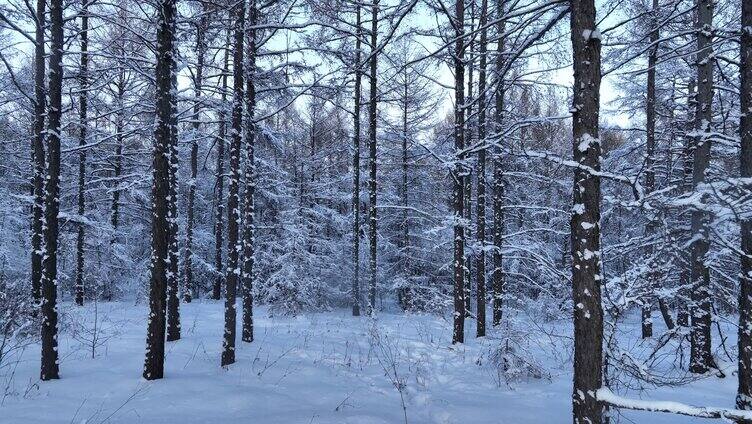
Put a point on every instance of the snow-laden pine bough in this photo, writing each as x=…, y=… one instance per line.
x=608, y=398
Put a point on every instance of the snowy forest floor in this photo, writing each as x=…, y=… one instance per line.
x=315, y=368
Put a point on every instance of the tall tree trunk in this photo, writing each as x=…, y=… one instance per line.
x=250, y=177
x=480, y=282
x=458, y=174
x=586, y=215
x=372, y=161
x=233, y=202
x=173, y=274
x=356, y=166
x=498, y=184
x=468, y=177
x=160, y=227
x=188, y=284
x=118, y=171
x=682, y=315
x=701, y=358
x=404, y=243
x=38, y=158
x=744, y=393
x=647, y=323
x=82, y=117
x=50, y=369
x=220, y=211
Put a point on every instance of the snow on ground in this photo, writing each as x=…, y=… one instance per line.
x=317, y=368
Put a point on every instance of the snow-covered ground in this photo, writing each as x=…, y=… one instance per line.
x=317, y=368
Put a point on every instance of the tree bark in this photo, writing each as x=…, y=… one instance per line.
x=233, y=202
x=250, y=178
x=701, y=359
x=480, y=282
x=372, y=105
x=82, y=118
x=220, y=211
x=498, y=184
x=458, y=174
x=647, y=323
x=50, y=369
x=38, y=153
x=682, y=315
x=356, y=166
x=173, y=273
x=585, y=222
x=744, y=393
x=155, y=341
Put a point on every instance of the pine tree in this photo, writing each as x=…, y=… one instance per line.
x=38, y=153
x=219, y=198
x=233, y=202
x=372, y=108
x=250, y=176
x=155, y=339
x=50, y=368
x=83, y=124
x=458, y=175
x=744, y=393
x=356, y=166
x=701, y=358
x=480, y=267
x=586, y=214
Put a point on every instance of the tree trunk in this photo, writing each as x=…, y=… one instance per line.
x=154, y=363
x=233, y=201
x=82, y=98
x=586, y=216
x=220, y=211
x=480, y=282
x=744, y=393
x=647, y=323
x=458, y=173
x=498, y=185
x=188, y=284
x=682, y=315
x=38, y=154
x=173, y=301
x=250, y=178
x=356, y=168
x=372, y=161
x=50, y=368
x=701, y=359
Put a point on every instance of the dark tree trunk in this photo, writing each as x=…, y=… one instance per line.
x=586, y=215
x=468, y=177
x=155, y=339
x=233, y=202
x=50, y=369
x=173, y=274
x=498, y=184
x=372, y=162
x=356, y=167
x=188, y=284
x=701, y=358
x=458, y=175
x=82, y=117
x=647, y=323
x=480, y=282
x=250, y=178
x=38, y=158
x=220, y=211
x=744, y=394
